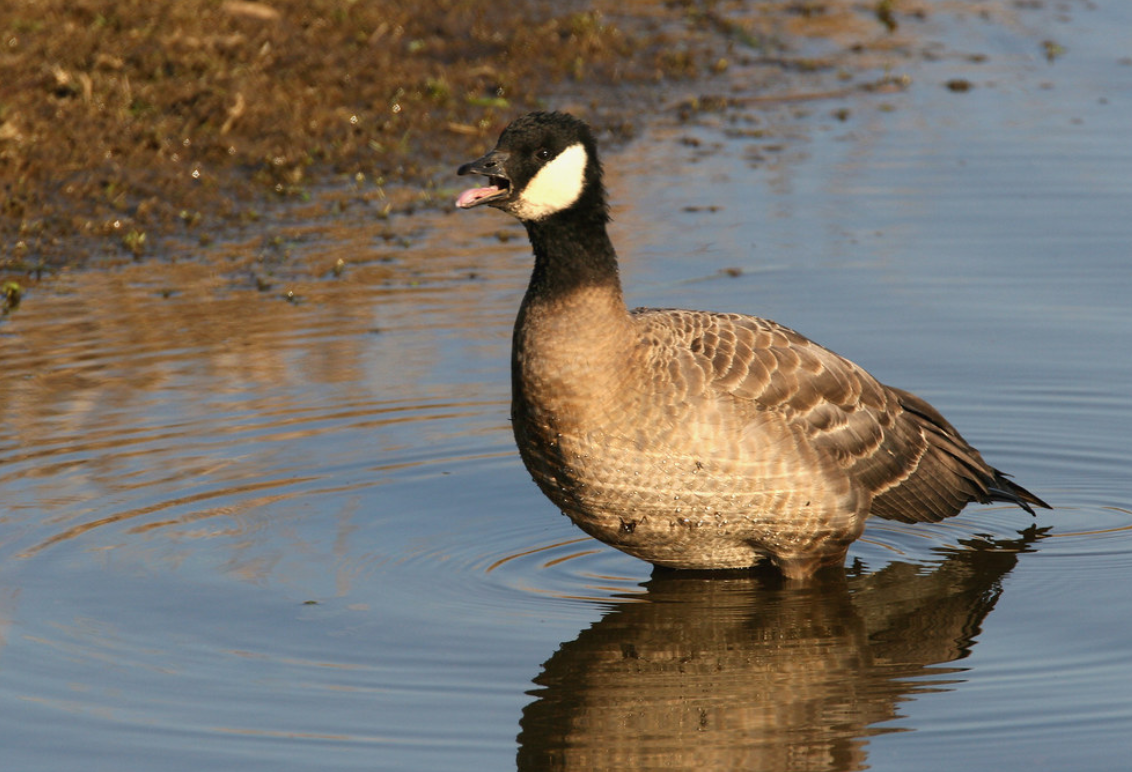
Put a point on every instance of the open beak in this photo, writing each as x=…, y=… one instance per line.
x=492, y=166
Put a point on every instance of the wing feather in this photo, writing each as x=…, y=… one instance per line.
x=892, y=445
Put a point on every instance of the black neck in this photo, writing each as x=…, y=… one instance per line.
x=572, y=252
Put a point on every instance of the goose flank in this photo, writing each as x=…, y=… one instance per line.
x=694, y=439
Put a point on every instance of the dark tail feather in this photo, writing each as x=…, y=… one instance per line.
x=1003, y=489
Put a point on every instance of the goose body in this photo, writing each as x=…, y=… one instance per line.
x=694, y=439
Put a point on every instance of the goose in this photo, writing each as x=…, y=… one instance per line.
x=693, y=439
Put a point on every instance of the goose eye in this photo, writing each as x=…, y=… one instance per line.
x=542, y=154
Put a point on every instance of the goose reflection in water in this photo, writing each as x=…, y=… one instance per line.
x=742, y=671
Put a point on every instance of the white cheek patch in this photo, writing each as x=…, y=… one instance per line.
x=556, y=186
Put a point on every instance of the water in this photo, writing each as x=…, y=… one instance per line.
x=243, y=532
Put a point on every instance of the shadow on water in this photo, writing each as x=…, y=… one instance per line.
x=748, y=673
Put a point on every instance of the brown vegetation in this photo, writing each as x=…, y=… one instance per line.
x=119, y=118
x=123, y=122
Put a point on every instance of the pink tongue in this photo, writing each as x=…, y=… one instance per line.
x=469, y=197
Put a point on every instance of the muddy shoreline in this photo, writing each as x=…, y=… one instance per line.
x=128, y=129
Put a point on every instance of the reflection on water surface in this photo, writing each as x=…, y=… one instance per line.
x=737, y=671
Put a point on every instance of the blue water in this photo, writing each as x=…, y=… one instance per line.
x=243, y=532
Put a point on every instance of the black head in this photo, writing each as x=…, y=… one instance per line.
x=543, y=164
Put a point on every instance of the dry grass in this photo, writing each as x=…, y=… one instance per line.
x=122, y=121
x=122, y=116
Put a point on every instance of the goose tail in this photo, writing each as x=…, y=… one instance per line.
x=1003, y=489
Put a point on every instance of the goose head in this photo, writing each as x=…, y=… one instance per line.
x=544, y=164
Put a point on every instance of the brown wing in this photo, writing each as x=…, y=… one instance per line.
x=949, y=470
x=894, y=445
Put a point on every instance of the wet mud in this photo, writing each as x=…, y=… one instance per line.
x=128, y=129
